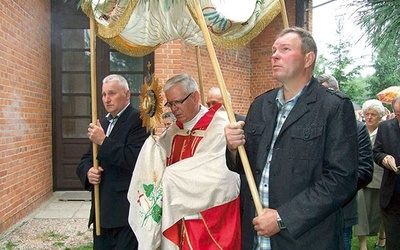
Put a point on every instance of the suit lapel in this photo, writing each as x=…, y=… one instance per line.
x=269, y=112
x=394, y=127
x=302, y=106
x=121, y=120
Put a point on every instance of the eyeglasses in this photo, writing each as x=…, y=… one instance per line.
x=177, y=103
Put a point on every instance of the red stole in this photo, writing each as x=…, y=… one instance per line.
x=184, y=146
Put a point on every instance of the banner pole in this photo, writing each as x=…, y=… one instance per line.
x=94, y=118
x=200, y=75
x=227, y=104
x=284, y=14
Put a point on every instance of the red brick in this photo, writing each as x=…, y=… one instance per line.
x=25, y=99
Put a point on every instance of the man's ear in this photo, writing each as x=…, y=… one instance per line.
x=310, y=59
x=196, y=95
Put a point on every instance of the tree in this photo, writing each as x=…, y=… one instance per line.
x=380, y=19
x=387, y=70
x=321, y=65
x=342, y=66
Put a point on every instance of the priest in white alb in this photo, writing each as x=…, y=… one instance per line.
x=182, y=194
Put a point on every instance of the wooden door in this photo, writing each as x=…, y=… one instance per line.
x=71, y=87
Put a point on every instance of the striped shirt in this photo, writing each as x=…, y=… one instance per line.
x=284, y=108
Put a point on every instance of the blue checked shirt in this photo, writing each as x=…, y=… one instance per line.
x=263, y=243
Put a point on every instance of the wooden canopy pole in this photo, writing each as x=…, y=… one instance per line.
x=227, y=104
x=284, y=14
x=200, y=75
x=94, y=117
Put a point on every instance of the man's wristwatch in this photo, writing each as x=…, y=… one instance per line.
x=281, y=224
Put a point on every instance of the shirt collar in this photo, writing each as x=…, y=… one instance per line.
x=280, y=100
x=110, y=118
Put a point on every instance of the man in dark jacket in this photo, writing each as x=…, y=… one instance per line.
x=387, y=155
x=365, y=172
x=120, y=137
x=301, y=141
x=365, y=167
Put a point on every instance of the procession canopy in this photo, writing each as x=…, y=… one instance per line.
x=138, y=27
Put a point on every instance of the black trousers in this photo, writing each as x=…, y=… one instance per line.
x=391, y=221
x=119, y=238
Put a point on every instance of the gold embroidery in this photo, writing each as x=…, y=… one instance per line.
x=185, y=235
x=209, y=233
x=239, y=42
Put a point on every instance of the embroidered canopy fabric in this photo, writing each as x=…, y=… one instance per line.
x=138, y=27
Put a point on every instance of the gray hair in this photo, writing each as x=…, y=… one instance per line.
x=375, y=105
x=212, y=89
x=168, y=114
x=330, y=81
x=117, y=78
x=188, y=83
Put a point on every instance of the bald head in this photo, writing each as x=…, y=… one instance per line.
x=214, y=97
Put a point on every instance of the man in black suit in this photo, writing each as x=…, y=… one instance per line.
x=387, y=155
x=120, y=137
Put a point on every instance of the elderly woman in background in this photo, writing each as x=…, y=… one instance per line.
x=369, y=214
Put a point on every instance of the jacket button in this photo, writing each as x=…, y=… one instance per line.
x=257, y=172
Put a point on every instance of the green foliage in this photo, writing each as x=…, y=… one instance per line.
x=55, y=235
x=88, y=246
x=387, y=70
x=58, y=244
x=380, y=19
x=10, y=245
x=321, y=65
x=371, y=240
x=356, y=89
x=342, y=67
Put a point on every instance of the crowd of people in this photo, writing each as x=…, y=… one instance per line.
x=321, y=175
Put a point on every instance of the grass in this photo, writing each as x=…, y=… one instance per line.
x=58, y=245
x=57, y=239
x=88, y=246
x=55, y=235
x=10, y=245
x=370, y=242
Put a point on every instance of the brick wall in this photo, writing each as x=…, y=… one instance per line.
x=247, y=72
x=234, y=64
x=25, y=108
x=261, y=73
